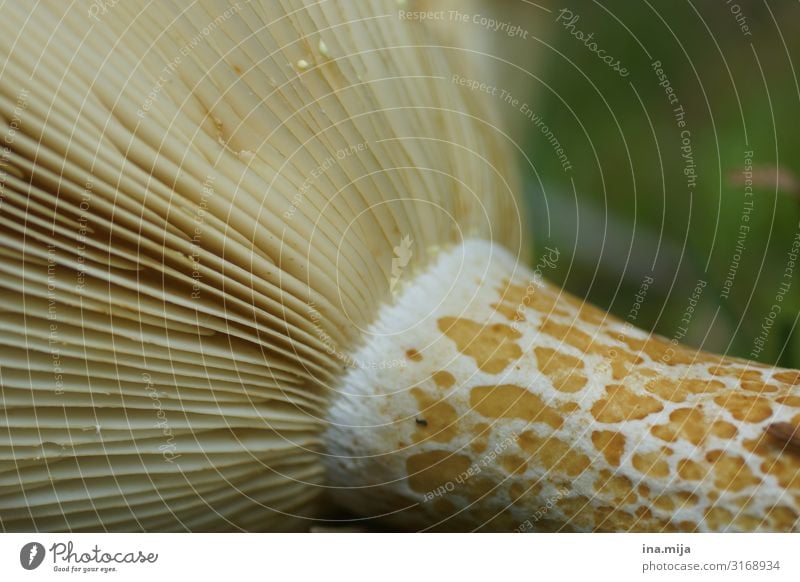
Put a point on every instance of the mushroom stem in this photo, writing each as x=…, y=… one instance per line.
x=520, y=407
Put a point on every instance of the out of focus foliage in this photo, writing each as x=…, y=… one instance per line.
x=625, y=212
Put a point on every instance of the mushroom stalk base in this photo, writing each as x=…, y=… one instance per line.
x=485, y=398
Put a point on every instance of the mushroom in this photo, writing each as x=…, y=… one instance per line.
x=261, y=258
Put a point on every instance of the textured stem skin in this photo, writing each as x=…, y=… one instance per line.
x=521, y=408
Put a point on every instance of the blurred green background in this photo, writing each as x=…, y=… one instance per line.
x=623, y=213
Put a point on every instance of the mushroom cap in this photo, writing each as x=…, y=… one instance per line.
x=203, y=207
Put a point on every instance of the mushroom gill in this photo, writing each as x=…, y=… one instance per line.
x=254, y=252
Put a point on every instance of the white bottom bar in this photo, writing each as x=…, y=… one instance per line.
x=401, y=557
